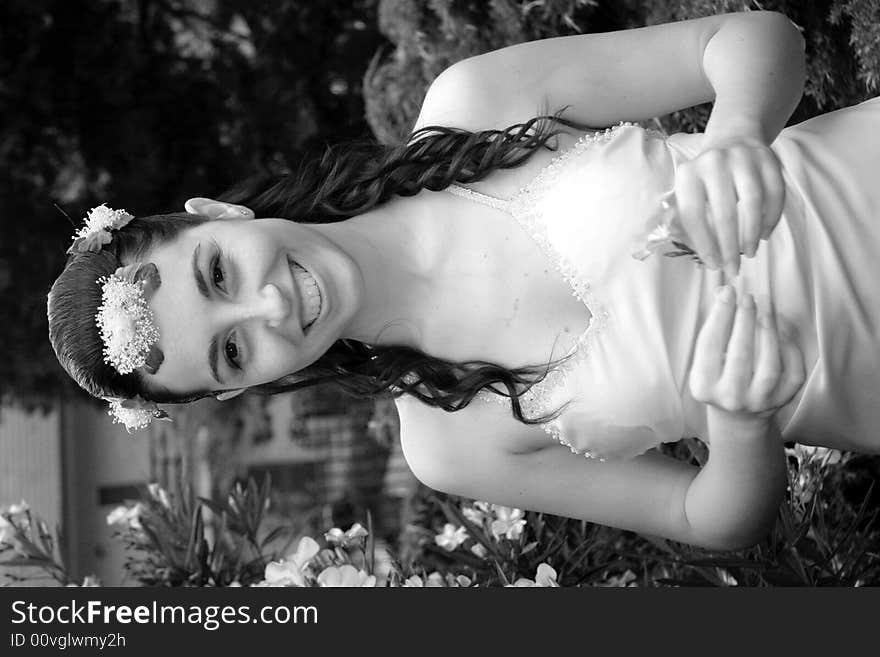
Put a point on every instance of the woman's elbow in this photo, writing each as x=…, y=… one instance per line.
x=735, y=533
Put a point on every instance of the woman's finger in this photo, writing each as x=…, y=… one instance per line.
x=740, y=358
x=721, y=197
x=690, y=196
x=768, y=364
x=711, y=343
x=794, y=371
x=748, y=182
x=774, y=193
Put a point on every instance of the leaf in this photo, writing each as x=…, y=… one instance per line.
x=273, y=534
x=216, y=507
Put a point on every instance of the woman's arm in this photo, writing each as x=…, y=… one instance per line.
x=481, y=453
x=732, y=502
x=757, y=71
x=751, y=63
x=727, y=504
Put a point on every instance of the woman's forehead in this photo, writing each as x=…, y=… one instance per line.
x=179, y=315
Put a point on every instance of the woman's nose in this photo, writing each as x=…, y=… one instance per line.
x=269, y=305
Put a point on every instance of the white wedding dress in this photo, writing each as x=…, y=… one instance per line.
x=591, y=208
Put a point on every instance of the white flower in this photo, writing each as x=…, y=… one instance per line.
x=159, y=494
x=545, y=577
x=479, y=550
x=292, y=570
x=17, y=509
x=451, y=537
x=130, y=418
x=435, y=580
x=283, y=573
x=509, y=522
x=414, y=582
x=125, y=323
x=344, y=539
x=345, y=576
x=103, y=218
x=476, y=512
x=130, y=517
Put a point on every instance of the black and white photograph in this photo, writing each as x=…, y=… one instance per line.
x=438, y=294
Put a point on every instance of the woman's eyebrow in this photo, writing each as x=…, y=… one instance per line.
x=197, y=273
x=203, y=290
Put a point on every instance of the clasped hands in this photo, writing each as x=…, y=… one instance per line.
x=746, y=363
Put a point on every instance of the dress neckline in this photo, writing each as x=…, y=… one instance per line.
x=524, y=207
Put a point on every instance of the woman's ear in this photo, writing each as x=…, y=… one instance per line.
x=208, y=207
x=229, y=394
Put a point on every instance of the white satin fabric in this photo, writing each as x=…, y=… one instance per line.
x=591, y=208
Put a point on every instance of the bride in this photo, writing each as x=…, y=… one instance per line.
x=503, y=274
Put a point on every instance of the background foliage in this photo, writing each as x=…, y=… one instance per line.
x=143, y=103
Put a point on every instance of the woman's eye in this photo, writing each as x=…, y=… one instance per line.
x=232, y=355
x=217, y=273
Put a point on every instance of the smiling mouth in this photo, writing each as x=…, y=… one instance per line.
x=311, y=301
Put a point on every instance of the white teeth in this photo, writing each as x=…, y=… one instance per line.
x=309, y=293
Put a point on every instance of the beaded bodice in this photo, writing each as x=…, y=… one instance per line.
x=586, y=210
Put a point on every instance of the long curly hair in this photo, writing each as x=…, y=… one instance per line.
x=347, y=180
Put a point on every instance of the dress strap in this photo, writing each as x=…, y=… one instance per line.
x=485, y=199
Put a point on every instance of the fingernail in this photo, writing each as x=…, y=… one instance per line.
x=724, y=293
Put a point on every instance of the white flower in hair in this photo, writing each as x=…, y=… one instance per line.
x=135, y=413
x=124, y=319
x=96, y=233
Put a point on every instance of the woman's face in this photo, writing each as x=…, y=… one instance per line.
x=232, y=305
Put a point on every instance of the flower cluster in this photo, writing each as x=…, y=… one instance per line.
x=126, y=517
x=125, y=322
x=301, y=568
x=96, y=233
x=502, y=522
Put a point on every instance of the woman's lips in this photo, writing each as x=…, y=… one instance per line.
x=311, y=301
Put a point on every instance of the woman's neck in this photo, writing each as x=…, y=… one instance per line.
x=398, y=249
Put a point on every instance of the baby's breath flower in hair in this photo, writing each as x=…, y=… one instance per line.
x=126, y=324
x=96, y=233
x=135, y=413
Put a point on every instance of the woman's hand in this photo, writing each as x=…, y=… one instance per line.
x=743, y=365
x=729, y=197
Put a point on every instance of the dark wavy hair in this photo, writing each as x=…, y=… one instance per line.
x=347, y=180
